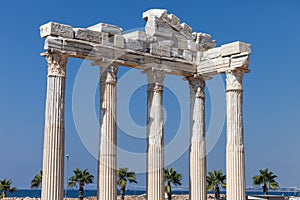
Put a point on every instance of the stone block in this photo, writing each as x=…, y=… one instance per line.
x=240, y=60
x=187, y=55
x=186, y=27
x=174, y=22
x=199, y=56
x=159, y=50
x=235, y=48
x=52, y=43
x=186, y=30
x=56, y=29
x=136, y=35
x=91, y=36
x=158, y=13
x=194, y=36
x=119, y=41
x=212, y=53
x=205, y=41
x=174, y=52
x=215, y=63
x=107, y=28
x=182, y=44
x=166, y=43
x=105, y=38
x=191, y=45
x=134, y=45
x=157, y=27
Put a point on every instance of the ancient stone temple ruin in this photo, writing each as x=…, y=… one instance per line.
x=166, y=47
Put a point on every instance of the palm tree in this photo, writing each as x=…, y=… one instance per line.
x=80, y=179
x=123, y=176
x=37, y=180
x=214, y=180
x=5, y=186
x=171, y=177
x=266, y=179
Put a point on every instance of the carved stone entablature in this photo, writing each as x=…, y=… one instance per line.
x=56, y=64
x=176, y=38
x=165, y=41
x=230, y=56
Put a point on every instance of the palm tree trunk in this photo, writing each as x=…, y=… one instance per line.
x=170, y=192
x=265, y=188
x=122, y=193
x=3, y=194
x=80, y=192
x=217, y=192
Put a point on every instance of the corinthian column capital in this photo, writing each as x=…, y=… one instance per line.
x=155, y=81
x=197, y=86
x=234, y=80
x=56, y=64
x=109, y=74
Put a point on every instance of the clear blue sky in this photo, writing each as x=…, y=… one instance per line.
x=272, y=93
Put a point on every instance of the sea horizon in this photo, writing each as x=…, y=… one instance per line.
x=73, y=193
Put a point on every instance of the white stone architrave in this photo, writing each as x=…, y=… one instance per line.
x=166, y=47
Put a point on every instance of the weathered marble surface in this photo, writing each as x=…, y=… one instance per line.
x=171, y=47
x=107, y=168
x=56, y=29
x=165, y=40
x=155, y=136
x=235, y=158
x=90, y=35
x=106, y=28
x=54, y=131
x=198, y=142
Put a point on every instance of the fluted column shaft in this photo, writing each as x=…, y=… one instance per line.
x=155, y=135
x=54, y=133
x=235, y=159
x=197, y=142
x=107, y=163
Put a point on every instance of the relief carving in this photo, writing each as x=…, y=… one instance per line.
x=234, y=80
x=197, y=86
x=109, y=74
x=56, y=64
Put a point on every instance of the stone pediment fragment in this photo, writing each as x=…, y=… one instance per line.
x=167, y=27
x=166, y=42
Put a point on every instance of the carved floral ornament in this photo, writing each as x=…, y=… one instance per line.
x=234, y=79
x=109, y=74
x=197, y=86
x=56, y=64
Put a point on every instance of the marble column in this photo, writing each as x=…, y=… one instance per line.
x=155, y=135
x=107, y=163
x=235, y=159
x=197, y=142
x=54, y=133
